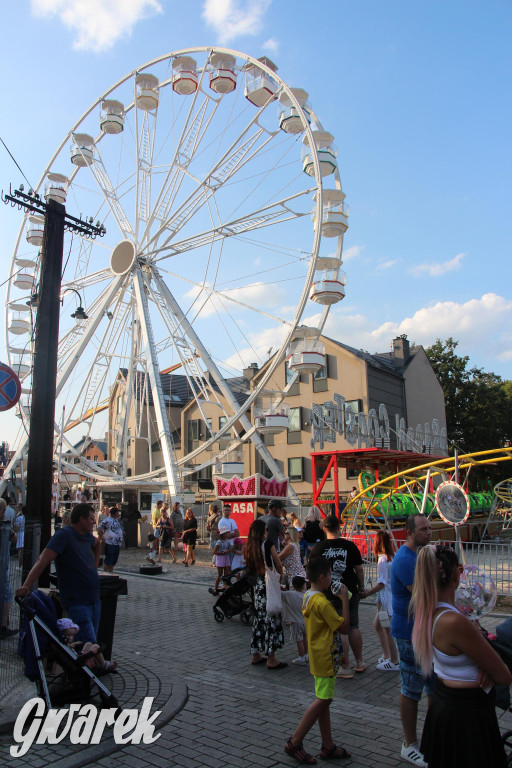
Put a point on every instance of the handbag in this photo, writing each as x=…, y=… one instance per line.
x=273, y=590
x=384, y=618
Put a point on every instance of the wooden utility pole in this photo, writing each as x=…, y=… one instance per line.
x=44, y=372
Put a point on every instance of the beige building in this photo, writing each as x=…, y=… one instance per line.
x=356, y=400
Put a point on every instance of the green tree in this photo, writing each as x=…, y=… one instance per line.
x=478, y=403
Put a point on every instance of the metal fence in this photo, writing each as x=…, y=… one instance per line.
x=493, y=557
x=11, y=666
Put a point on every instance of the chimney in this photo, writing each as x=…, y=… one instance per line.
x=249, y=372
x=401, y=348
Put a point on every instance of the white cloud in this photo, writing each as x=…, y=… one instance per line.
x=352, y=252
x=271, y=45
x=437, y=269
x=97, y=25
x=386, y=264
x=478, y=325
x=233, y=18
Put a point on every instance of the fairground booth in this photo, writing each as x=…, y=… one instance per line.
x=248, y=497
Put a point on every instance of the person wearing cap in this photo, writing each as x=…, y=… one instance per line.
x=273, y=522
x=226, y=522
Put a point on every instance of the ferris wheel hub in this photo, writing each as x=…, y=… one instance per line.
x=123, y=257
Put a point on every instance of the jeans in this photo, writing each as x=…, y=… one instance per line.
x=88, y=619
x=411, y=678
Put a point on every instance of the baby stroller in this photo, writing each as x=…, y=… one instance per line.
x=237, y=599
x=40, y=646
x=502, y=644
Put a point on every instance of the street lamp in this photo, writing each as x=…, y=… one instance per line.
x=79, y=313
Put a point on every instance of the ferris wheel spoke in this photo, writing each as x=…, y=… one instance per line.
x=145, y=150
x=188, y=144
x=81, y=340
x=268, y=215
x=108, y=190
x=224, y=296
x=232, y=162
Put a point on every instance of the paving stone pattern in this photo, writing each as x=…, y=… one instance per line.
x=232, y=715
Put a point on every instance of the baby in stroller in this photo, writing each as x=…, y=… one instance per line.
x=95, y=659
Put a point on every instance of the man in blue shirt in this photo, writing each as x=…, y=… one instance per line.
x=418, y=532
x=76, y=553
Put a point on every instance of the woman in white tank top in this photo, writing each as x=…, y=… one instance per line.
x=461, y=729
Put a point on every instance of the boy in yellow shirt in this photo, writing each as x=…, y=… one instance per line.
x=322, y=622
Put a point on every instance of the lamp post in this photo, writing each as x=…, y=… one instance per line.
x=44, y=375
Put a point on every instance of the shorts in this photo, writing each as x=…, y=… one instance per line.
x=88, y=619
x=324, y=687
x=111, y=554
x=222, y=561
x=412, y=682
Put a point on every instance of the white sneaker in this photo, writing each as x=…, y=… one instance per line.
x=388, y=666
x=301, y=661
x=413, y=755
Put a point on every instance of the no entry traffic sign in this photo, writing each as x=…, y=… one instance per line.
x=10, y=388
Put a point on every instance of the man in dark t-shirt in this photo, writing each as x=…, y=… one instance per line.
x=76, y=553
x=273, y=522
x=347, y=568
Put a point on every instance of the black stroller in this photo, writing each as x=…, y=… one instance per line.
x=236, y=599
x=503, y=646
x=40, y=646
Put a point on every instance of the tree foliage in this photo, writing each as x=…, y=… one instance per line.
x=478, y=403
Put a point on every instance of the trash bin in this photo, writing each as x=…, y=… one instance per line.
x=130, y=519
x=110, y=587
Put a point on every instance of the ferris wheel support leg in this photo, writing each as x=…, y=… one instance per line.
x=219, y=379
x=156, y=386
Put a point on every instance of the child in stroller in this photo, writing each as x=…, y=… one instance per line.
x=95, y=659
x=41, y=645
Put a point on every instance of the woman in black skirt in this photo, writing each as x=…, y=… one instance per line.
x=267, y=631
x=461, y=729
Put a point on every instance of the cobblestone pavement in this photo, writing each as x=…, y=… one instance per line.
x=220, y=711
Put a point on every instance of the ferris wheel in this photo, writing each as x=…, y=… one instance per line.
x=224, y=212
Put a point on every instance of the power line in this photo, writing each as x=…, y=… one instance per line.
x=16, y=162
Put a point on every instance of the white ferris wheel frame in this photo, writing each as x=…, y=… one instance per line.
x=113, y=298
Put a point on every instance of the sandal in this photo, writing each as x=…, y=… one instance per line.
x=299, y=753
x=335, y=753
x=109, y=666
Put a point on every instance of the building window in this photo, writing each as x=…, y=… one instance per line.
x=209, y=428
x=95, y=459
x=288, y=375
x=265, y=471
x=296, y=469
x=320, y=377
x=294, y=434
x=295, y=422
x=193, y=434
x=129, y=445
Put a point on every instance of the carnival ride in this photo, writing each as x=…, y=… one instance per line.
x=212, y=194
x=386, y=502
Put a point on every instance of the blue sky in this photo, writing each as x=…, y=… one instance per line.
x=417, y=95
